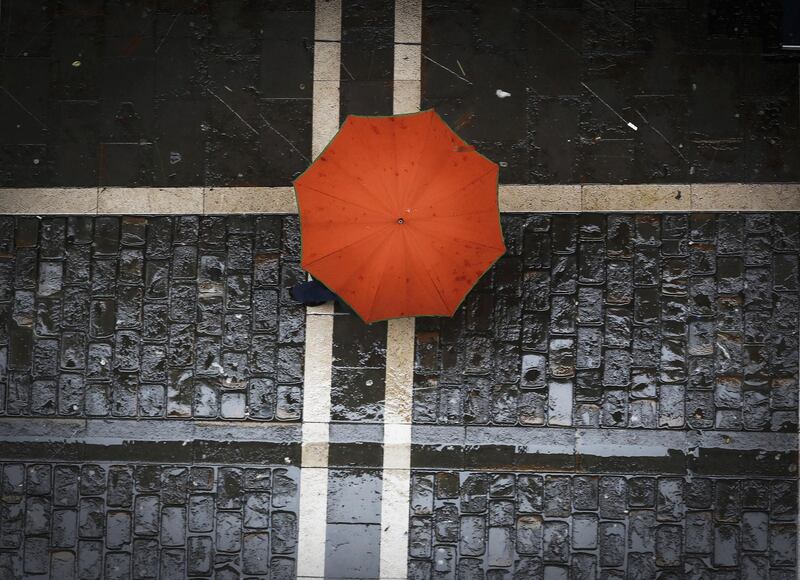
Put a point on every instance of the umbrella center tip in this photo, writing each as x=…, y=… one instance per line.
x=401, y=221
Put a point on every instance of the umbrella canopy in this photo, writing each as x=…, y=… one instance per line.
x=399, y=216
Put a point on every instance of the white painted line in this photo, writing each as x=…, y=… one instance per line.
x=328, y=20
x=514, y=198
x=312, y=531
x=406, y=97
x=407, y=62
x=327, y=61
x=395, y=492
x=745, y=197
x=408, y=21
x=49, y=201
x=147, y=200
x=397, y=447
x=235, y=200
x=315, y=445
x=540, y=198
x=399, y=370
x=318, y=362
x=314, y=459
x=312, y=528
x=407, y=92
x=394, y=523
x=644, y=197
x=325, y=111
x=327, y=65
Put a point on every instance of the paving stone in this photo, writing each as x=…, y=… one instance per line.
x=132, y=288
x=145, y=558
x=783, y=541
x=619, y=280
x=637, y=539
x=714, y=352
x=668, y=545
x=420, y=537
x=555, y=543
x=87, y=518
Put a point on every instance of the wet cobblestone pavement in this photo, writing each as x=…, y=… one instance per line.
x=501, y=525
x=617, y=398
x=152, y=317
x=641, y=321
x=112, y=520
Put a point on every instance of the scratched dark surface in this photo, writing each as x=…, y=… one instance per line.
x=189, y=93
x=711, y=95
x=167, y=93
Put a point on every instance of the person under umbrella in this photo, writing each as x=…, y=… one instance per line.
x=312, y=293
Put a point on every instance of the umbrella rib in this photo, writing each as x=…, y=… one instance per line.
x=492, y=211
x=346, y=282
x=344, y=171
x=389, y=194
x=417, y=160
x=380, y=280
x=438, y=234
x=347, y=201
x=351, y=244
x=405, y=271
x=448, y=195
x=427, y=271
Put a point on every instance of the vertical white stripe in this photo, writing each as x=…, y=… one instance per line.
x=395, y=492
x=397, y=448
x=312, y=528
x=408, y=21
x=407, y=56
x=318, y=361
x=319, y=320
x=394, y=523
x=399, y=370
x=314, y=458
x=327, y=63
x=328, y=20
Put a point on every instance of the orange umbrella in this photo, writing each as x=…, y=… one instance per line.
x=399, y=216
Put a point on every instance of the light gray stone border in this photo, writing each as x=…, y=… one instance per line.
x=545, y=198
x=600, y=442
x=103, y=431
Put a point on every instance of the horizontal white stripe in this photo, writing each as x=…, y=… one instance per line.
x=700, y=197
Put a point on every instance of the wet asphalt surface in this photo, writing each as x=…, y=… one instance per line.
x=148, y=93
x=616, y=399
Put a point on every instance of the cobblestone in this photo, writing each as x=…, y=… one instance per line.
x=150, y=317
x=134, y=520
x=618, y=526
x=656, y=321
